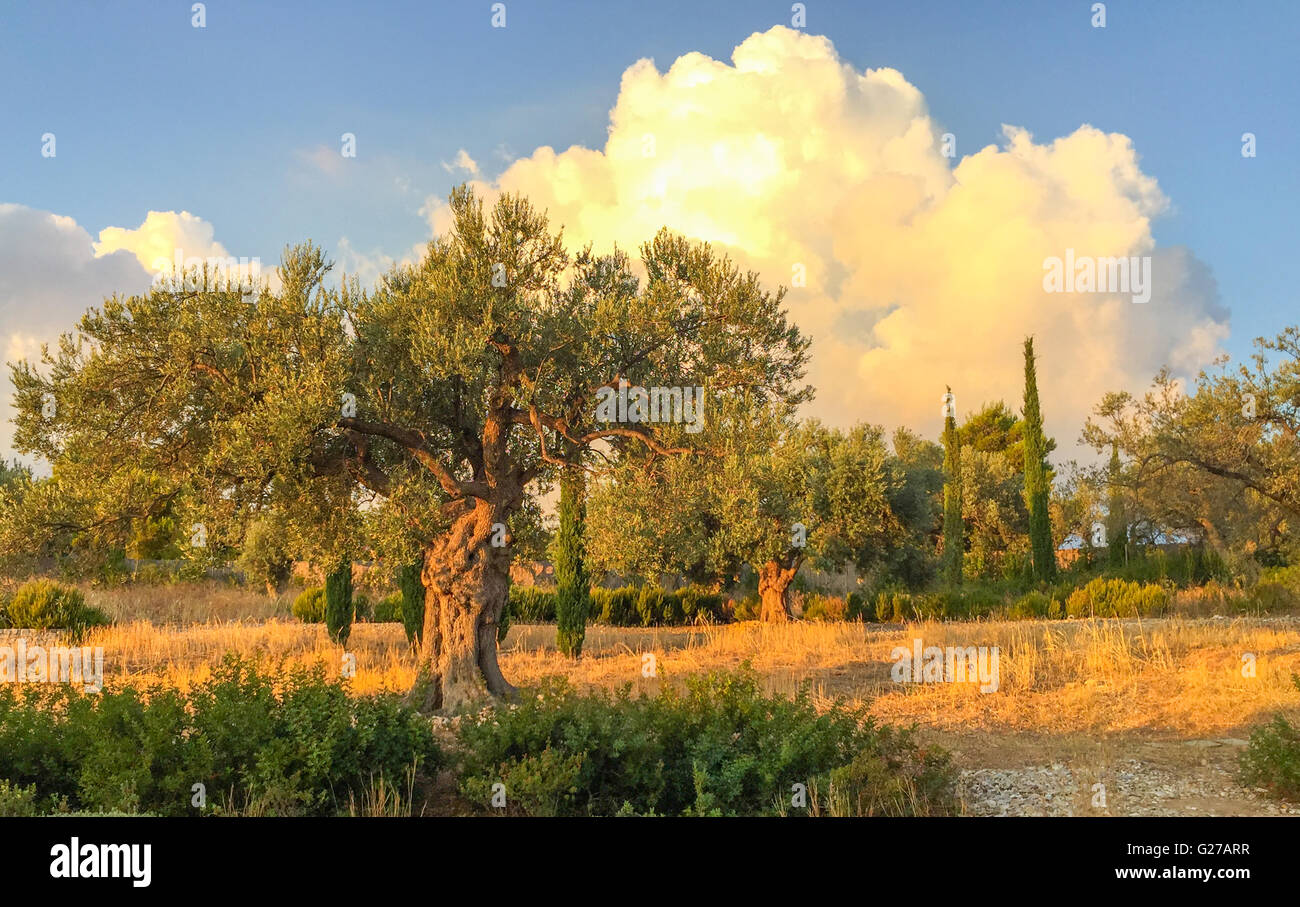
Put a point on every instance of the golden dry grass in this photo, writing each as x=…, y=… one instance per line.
x=1174, y=677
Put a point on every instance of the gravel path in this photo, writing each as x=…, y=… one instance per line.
x=1132, y=787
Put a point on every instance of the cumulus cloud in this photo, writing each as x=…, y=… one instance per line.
x=49, y=276
x=162, y=235
x=52, y=270
x=909, y=274
x=462, y=162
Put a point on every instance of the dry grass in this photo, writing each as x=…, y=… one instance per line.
x=185, y=603
x=1173, y=677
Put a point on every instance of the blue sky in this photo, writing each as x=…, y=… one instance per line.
x=153, y=114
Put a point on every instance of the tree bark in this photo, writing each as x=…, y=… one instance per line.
x=466, y=580
x=773, y=591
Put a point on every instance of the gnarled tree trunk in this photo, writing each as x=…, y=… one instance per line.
x=773, y=591
x=466, y=581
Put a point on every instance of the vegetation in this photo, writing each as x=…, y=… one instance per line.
x=339, y=606
x=722, y=748
x=43, y=604
x=1037, y=483
x=309, y=606
x=1272, y=760
x=573, y=594
x=261, y=742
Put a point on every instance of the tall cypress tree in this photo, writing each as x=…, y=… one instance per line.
x=1041, y=550
x=954, y=534
x=338, y=602
x=412, y=586
x=1116, y=519
x=573, y=586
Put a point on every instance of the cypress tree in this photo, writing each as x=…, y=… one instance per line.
x=338, y=602
x=954, y=535
x=1040, y=525
x=573, y=586
x=412, y=587
x=1116, y=519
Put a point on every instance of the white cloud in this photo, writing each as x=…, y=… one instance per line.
x=52, y=271
x=918, y=275
x=160, y=238
x=462, y=162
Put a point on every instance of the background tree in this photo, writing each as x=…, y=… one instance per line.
x=1037, y=484
x=264, y=557
x=780, y=494
x=1116, y=519
x=954, y=536
x=449, y=393
x=917, y=502
x=1221, y=457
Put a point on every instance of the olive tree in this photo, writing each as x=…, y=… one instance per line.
x=447, y=396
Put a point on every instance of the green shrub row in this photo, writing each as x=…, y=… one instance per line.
x=263, y=742
x=721, y=748
x=647, y=606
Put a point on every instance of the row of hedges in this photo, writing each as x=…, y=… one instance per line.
x=277, y=742
x=309, y=607
x=651, y=606
x=280, y=742
x=1099, y=598
x=722, y=748
x=647, y=606
x=43, y=604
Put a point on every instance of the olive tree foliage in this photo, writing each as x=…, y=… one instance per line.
x=1222, y=456
x=775, y=495
x=422, y=416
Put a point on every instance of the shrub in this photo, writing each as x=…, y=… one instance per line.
x=363, y=609
x=747, y=608
x=532, y=604
x=388, y=609
x=825, y=607
x=309, y=606
x=1272, y=761
x=1030, y=606
x=17, y=802
x=884, y=609
x=859, y=607
x=626, y=607
x=1117, y=598
x=43, y=604
x=266, y=742
x=721, y=748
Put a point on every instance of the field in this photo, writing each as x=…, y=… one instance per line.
x=1156, y=710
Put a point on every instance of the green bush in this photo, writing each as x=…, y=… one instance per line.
x=1030, y=606
x=363, y=608
x=626, y=607
x=264, y=742
x=17, y=802
x=721, y=748
x=43, y=604
x=747, y=608
x=1117, y=598
x=388, y=609
x=825, y=607
x=309, y=606
x=1272, y=761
